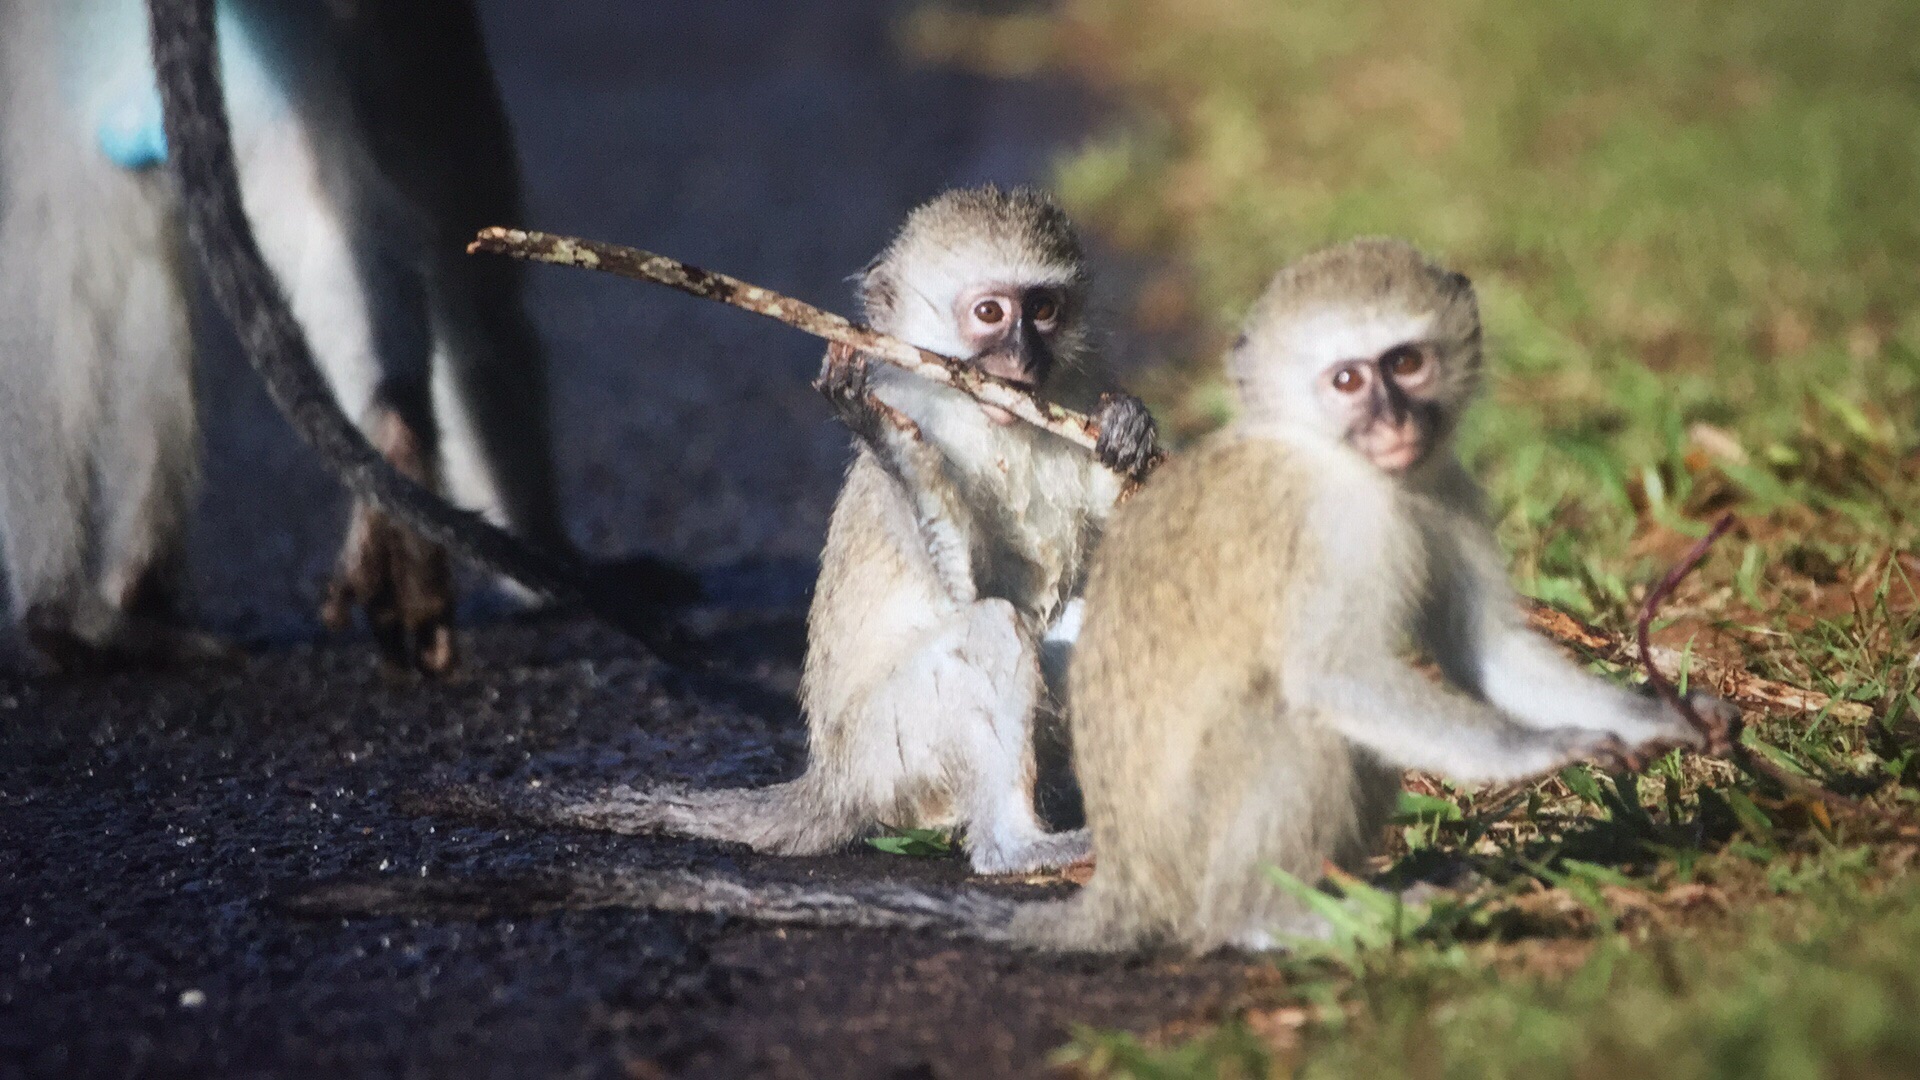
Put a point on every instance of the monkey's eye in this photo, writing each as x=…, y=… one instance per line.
x=1403, y=362
x=1349, y=380
x=1043, y=308
x=989, y=311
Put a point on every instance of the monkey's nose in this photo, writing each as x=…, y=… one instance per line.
x=1008, y=365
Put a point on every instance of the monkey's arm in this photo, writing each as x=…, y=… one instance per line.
x=898, y=444
x=1474, y=629
x=1407, y=721
x=1339, y=660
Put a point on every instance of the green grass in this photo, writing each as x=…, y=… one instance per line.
x=1695, y=229
x=1677, y=215
x=1821, y=987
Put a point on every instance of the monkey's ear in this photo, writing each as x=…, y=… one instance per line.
x=858, y=279
x=874, y=289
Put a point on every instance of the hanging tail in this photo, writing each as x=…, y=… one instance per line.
x=791, y=818
x=794, y=818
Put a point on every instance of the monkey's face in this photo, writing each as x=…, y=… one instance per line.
x=991, y=279
x=1014, y=320
x=1387, y=404
x=1373, y=380
x=1009, y=330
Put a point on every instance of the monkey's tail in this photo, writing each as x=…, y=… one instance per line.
x=1071, y=925
x=799, y=817
x=1084, y=922
x=963, y=913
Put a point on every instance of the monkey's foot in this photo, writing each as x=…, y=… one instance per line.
x=1045, y=851
x=404, y=585
x=122, y=641
x=402, y=581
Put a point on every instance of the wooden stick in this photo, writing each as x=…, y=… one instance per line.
x=1718, y=739
x=1077, y=428
x=1738, y=685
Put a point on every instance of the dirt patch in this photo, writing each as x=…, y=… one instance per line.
x=152, y=822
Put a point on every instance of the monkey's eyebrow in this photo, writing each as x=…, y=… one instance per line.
x=1410, y=343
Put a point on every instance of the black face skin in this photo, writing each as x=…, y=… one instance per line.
x=1011, y=329
x=1388, y=402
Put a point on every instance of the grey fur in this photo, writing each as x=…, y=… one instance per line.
x=98, y=443
x=954, y=544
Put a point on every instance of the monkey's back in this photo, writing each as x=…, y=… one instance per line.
x=1194, y=770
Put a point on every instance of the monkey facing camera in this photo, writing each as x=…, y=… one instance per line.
x=957, y=540
x=1240, y=696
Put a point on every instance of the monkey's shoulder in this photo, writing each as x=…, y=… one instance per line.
x=1253, y=508
x=1225, y=513
x=1224, y=479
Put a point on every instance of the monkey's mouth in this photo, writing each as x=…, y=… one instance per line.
x=1400, y=457
x=1010, y=368
x=1394, y=451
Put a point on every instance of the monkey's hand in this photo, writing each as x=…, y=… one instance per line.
x=1713, y=735
x=843, y=381
x=1129, y=440
x=1707, y=724
x=1717, y=726
x=1611, y=752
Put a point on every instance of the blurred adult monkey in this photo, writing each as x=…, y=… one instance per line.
x=370, y=143
x=957, y=540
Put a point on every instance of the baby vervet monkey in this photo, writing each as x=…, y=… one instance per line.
x=1240, y=695
x=957, y=540
x=1241, y=698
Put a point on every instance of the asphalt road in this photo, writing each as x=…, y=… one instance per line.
x=152, y=823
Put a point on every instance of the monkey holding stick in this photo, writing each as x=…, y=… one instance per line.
x=958, y=539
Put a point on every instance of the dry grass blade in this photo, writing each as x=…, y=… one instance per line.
x=1720, y=739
